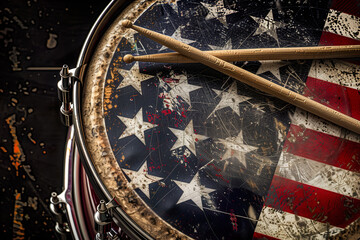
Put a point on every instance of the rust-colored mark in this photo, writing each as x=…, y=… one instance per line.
x=18, y=155
x=31, y=139
x=18, y=228
x=122, y=158
x=281, y=127
x=33, y=202
x=28, y=172
x=109, y=88
x=3, y=149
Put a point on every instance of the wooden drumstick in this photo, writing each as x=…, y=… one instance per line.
x=234, y=55
x=250, y=79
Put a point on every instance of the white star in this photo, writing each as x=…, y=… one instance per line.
x=179, y=86
x=133, y=77
x=229, y=99
x=268, y=25
x=129, y=35
x=141, y=179
x=187, y=138
x=194, y=191
x=236, y=148
x=177, y=35
x=227, y=46
x=218, y=11
x=272, y=66
x=136, y=126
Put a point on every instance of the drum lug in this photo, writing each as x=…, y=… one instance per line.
x=113, y=235
x=103, y=220
x=67, y=78
x=57, y=207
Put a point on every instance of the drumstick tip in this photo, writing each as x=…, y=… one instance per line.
x=127, y=23
x=128, y=58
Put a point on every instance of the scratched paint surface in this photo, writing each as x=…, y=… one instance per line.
x=208, y=154
x=31, y=135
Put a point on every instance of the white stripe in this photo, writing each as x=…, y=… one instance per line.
x=283, y=225
x=307, y=120
x=319, y=175
x=343, y=24
x=336, y=71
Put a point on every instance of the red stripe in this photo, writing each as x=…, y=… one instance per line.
x=312, y=202
x=259, y=236
x=340, y=98
x=351, y=7
x=332, y=39
x=323, y=148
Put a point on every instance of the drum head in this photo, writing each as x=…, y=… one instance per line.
x=191, y=153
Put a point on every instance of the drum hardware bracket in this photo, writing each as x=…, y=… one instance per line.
x=67, y=78
x=57, y=207
x=103, y=219
x=113, y=235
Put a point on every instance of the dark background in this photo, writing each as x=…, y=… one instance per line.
x=36, y=38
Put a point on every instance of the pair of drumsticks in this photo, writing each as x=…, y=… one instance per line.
x=216, y=60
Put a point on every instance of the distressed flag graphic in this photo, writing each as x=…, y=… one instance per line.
x=315, y=189
x=217, y=159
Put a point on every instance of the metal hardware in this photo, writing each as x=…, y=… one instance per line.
x=113, y=235
x=103, y=219
x=57, y=207
x=65, y=85
x=63, y=205
x=128, y=226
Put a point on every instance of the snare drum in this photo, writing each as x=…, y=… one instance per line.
x=178, y=150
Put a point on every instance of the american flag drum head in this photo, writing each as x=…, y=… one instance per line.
x=189, y=152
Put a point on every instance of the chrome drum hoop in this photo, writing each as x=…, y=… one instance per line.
x=127, y=225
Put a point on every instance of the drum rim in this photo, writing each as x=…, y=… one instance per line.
x=129, y=224
x=145, y=217
x=126, y=223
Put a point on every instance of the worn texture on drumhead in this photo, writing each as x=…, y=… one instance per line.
x=96, y=137
x=218, y=141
